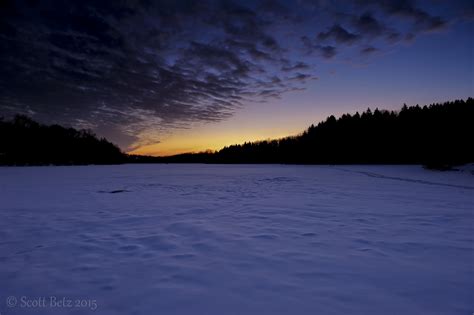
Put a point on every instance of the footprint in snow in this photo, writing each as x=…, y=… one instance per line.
x=114, y=191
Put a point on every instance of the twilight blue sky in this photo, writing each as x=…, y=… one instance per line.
x=161, y=77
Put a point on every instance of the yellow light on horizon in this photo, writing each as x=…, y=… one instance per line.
x=191, y=143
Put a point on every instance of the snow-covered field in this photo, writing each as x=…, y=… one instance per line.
x=236, y=239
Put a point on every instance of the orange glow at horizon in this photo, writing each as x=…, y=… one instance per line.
x=248, y=125
x=192, y=143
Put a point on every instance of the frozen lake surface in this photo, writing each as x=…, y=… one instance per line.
x=236, y=239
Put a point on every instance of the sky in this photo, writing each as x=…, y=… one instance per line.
x=166, y=77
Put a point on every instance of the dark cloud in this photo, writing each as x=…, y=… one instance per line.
x=295, y=67
x=369, y=25
x=311, y=47
x=338, y=34
x=422, y=20
x=137, y=69
x=368, y=50
x=372, y=28
x=326, y=51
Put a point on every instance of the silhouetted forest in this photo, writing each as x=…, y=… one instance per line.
x=26, y=142
x=438, y=136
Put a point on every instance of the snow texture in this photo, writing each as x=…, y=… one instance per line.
x=238, y=239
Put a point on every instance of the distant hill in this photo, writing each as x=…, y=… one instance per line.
x=437, y=136
x=26, y=142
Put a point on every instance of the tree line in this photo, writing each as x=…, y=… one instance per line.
x=23, y=141
x=437, y=135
